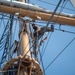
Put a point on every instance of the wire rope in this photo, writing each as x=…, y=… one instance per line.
x=55, y=5
x=1, y=71
x=15, y=29
x=64, y=31
x=42, y=62
x=63, y=5
x=58, y=29
x=46, y=44
x=3, y=38
x=3, y=20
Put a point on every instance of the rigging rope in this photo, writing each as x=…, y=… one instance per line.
x=43, y=46
x=58, y=29
x=15, y=29
x=47, y=44
x=55, y=5
x=1, y=71
x=50, y=19
x=64, y=31
x=3, y=21
x=59, y=54
x=42, y=62
x=63, y=5
x=53, y=14
x=4, y=35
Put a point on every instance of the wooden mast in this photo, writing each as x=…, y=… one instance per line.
x=24, y=45
x=24, y=40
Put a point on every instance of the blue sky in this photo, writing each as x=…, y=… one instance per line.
x=65, y=63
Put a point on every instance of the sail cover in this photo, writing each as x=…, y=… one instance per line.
x=73, y=2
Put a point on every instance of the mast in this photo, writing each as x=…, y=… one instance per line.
x=24, y=44
x=24, y=40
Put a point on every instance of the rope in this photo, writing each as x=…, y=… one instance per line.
x=47, y=44
x=1, y=71
x=42, y=63
x=65, y=31
x=56, y=5
x=63, y=5
x=4, y=35
x=15, y=29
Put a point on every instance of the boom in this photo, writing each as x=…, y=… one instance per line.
x=35, y=12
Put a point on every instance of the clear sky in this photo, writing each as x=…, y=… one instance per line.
x=65, y=63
